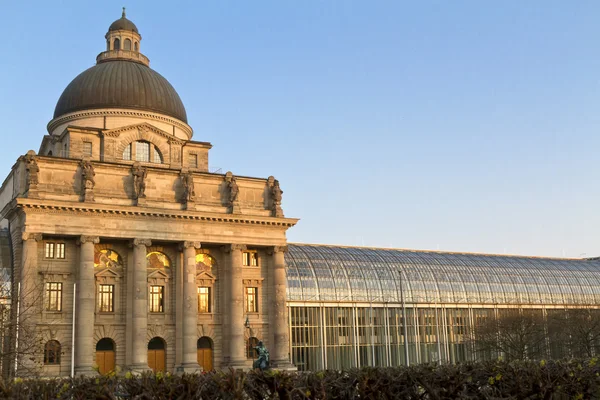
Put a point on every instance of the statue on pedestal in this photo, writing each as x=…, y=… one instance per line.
x=262, y=362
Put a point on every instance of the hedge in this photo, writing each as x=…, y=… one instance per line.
x=574, y=379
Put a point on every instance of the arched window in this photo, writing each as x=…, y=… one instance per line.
x=117, y=44
x=157, y=156
x=136, y=47
x=105, y=344
x=127, y=152
x=250, y=345
x=50, y=153
x=52, y=353
x=127, y=44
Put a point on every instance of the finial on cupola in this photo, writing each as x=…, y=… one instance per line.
x=123, y=14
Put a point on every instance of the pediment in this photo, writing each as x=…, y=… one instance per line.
x=109, y=273
x=142, y=127
x=158, y=275
x=107, y=276
x=205, y=275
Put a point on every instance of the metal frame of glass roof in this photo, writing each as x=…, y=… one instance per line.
x=329, y=274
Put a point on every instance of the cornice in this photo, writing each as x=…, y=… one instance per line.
x=118, y=113
x=102, y=211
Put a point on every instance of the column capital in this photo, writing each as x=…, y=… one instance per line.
x=86, y=239
x=140, y=242
x=31, y=236
x=188, y=244
x=277, y=249
x=228, y=248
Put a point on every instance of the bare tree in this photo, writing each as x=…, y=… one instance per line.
x=575, y=332
x=515, y=334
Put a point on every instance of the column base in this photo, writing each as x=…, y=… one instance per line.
x=85, y=371
x=188, y=368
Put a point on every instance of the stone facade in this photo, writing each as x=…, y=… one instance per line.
x=124, y=253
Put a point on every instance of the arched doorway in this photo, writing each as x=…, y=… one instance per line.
x=105, y=356
x=156, y=354
x=205, y=354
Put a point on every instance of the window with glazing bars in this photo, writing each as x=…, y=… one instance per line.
x=157, y=156
x=251, y=299
x=53, y=296
x=156, y=298
x=142, y=151
x=250, y=259
x=60, y=250
x=49, y=250
x=52, y=352
x=127, y=152
x=203, y=299
x=106, y=298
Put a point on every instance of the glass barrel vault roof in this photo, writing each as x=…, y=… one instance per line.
x=357, y=274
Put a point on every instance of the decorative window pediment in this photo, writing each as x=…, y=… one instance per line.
x=205, y=279
x=157, y=277
x=107, y=276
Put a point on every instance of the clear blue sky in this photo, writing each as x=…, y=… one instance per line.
x=451, y=125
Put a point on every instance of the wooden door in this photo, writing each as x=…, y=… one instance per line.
x=205, y=359
x=156, y=360
x=105, y=361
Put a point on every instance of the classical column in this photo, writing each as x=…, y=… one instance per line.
x=85, y=307
x=234, y=302
x=278, y=321
x=189, y=315
x=30, y=299
x=139, y=320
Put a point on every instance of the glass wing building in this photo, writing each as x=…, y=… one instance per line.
x=354, y=307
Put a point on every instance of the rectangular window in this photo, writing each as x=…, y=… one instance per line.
x=251, y=299
x=127, y=152
x=53, y=296
x=250, y=259
x=105, y=298
x=203, y=299
x=60, y=250
x=49, y=250
x=142, y=151
x=87, y=149
x=156, y=298
x=193, y=161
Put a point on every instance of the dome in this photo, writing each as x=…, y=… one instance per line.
x=123, y=24
x=121, y=84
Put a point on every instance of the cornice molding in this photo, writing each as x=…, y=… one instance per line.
x=30, y=205
x=118, y=113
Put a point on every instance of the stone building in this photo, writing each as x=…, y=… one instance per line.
x=127, y=251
